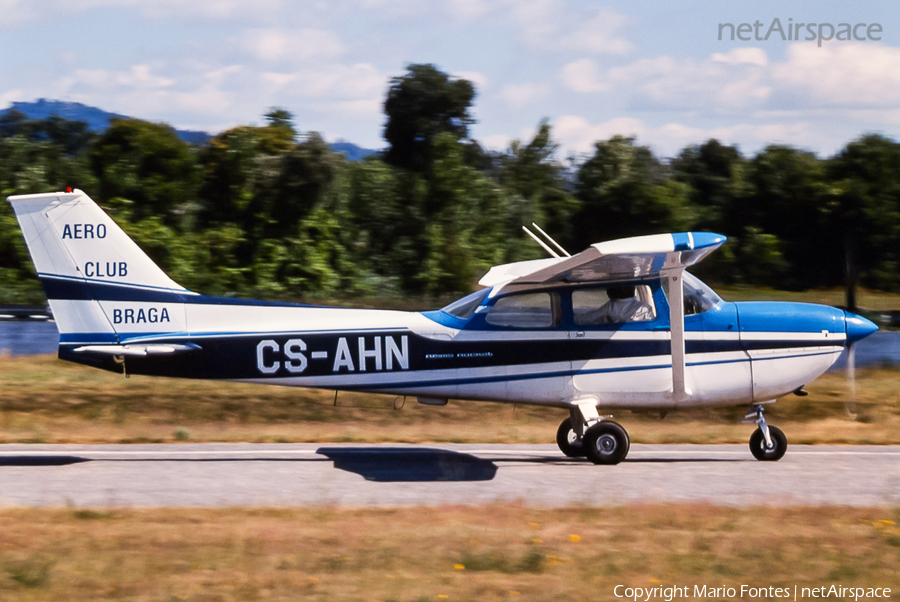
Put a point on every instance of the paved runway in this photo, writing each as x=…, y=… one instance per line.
x=397, y=474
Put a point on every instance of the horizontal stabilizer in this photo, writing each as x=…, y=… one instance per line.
x=137, y=350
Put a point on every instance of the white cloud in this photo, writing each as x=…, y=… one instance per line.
x=139, y=76
x=849, y=79
x=205, y=9
x=691, y=84
x=518, y=96
x=476, y=77
x=665, y=83
x=348, y=91
x=343, y=82
x=851, y=75
x=753, y=56
x=495, y=142
x=11, y=96
x=577, y=135
x=276, y=44
x=556, y=25
x=16, y=12
x=598, y=34
x=278, y=79
x=468, y=9
x=583, y=76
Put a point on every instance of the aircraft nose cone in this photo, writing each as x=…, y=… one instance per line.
x=857, y=327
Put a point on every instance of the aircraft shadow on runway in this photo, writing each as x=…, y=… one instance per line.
x=406, y=464
x=26, y=460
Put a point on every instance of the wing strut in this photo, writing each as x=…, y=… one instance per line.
x=676, y=324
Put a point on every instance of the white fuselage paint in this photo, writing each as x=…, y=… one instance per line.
x=380, y=363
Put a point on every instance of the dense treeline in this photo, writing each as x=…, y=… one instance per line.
x=264, y=211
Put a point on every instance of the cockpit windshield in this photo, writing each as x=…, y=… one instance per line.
x=465, y=307
x=698, y=297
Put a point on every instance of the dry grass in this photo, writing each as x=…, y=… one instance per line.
x=486, y=553
x=43, y=399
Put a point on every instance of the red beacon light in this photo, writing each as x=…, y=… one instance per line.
x=68, y=189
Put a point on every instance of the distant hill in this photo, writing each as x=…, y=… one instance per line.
x=353, y=152
x=98, y=120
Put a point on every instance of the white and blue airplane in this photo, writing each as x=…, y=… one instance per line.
x=620, y=325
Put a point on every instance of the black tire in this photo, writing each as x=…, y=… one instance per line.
x=606, y=443
x=568, y=441
x=758, y=445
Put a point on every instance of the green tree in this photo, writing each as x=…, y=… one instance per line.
x=235, y=165
x=866, y=212
x=716, y=174
x=789, y=200
x=35, y=156
x=538, y=183
x=625, y=191
x=281, y=118
x=420, y=105
x=463, y=236
x=387, y=222
x=148, y=164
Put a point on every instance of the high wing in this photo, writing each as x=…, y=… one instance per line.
x=623, y=259
x=662, y=255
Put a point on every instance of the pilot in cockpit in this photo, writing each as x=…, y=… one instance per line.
x=623, y=306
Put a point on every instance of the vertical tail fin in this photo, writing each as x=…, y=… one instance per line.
x=99, y=283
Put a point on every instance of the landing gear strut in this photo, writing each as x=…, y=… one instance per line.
x=585, y=433
x=767, y=443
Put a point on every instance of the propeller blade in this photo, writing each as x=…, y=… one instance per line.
x=850, y=406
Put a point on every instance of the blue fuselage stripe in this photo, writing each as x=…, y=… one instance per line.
x=399, y=358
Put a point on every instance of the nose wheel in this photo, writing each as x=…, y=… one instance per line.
x=767, y=443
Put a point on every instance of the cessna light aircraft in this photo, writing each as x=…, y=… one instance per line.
x=620, y=325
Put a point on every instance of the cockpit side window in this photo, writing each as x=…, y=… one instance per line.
x=615, y=304
x=529, y=310
x=698, y=297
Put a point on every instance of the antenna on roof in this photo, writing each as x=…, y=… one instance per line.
x=540, y=242
x=547, y=236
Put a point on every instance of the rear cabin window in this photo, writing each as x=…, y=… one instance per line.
x=613, y=305
x=532, y=310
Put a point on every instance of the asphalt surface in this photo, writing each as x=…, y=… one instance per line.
x=398, y=474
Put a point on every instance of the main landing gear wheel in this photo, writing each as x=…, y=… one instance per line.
x=569, y=443
x=606, y=443
x=763, y=452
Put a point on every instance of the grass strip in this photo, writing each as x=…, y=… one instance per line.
x=45, y=400
x=486, y=553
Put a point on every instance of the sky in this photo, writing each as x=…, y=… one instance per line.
x=651, y=69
